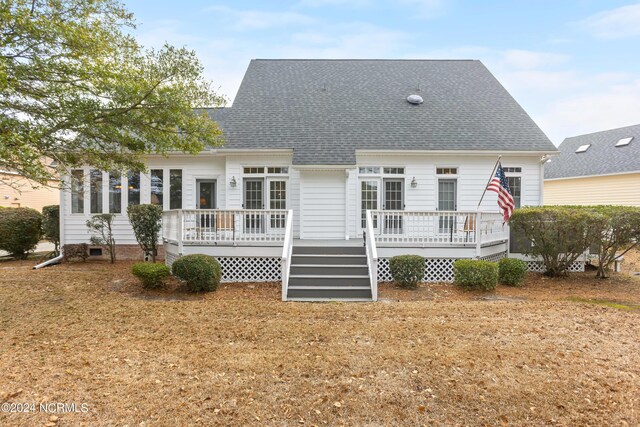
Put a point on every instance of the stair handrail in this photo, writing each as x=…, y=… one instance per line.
x=372, y=255
x=287, y=250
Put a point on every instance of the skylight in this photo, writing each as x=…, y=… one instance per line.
x=583, y=148
x=624, y=141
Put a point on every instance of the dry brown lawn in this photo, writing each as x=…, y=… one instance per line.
x=554, y=352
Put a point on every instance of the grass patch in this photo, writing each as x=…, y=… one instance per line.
x=606, y=303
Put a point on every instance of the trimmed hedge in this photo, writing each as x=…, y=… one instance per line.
x=72, y=252
x=20, y=231
x=407, y=270
x=51, y=225
x=512, y=271
x=151, y=275
x=146, y=221
x=475, y=274
x=200, y=272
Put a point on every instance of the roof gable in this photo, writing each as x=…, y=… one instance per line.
x=602, y=156
x=326, y=109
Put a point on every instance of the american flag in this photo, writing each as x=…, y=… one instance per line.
x=500, y=185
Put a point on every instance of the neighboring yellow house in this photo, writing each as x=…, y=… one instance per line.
x=601, y=168
x=17, y=191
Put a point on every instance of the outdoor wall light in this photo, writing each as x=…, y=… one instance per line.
x=233, y=182
x=414, y=183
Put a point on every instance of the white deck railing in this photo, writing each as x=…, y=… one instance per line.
x=287, y=251
x=437, y=227
x=372, y=255
x=193, y=226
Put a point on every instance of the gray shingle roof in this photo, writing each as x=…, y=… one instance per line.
x=602, y=158
x=326, y=109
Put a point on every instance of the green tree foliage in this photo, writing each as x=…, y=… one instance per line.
x=146, y=221
x=20, y=231
x=101, y=226
x=76, y=87
x=559, y=234
x=51, y=225
x=618, y=233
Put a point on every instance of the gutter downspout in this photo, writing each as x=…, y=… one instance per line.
x=48, y=262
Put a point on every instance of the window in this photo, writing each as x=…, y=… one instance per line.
x=95, y=188
x=157, y=190
x=253, y=170
x=175, y=189
x=512, y=170
x=515, y=185
x=133, y=188
x=624, y=141
x=583, y=148
x=446, y=171
x=369, y=169
x=77, y=191
x=115, y=193
x=278, y=170
x=393, y=171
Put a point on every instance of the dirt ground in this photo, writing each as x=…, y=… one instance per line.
x=553, y=352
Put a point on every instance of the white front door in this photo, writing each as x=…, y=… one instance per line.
x=323, y=204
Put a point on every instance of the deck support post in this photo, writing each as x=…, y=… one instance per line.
x=180, y=232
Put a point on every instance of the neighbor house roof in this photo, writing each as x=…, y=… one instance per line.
x=326, y=109
x=599, y=154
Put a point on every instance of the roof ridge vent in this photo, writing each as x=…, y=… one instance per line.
x=415, y=99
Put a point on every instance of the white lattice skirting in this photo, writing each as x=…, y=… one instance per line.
x=538, y=266
x=435, y=270
x=494, y=257
x=244, y=269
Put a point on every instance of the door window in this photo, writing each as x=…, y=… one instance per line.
x=368, y=200
x=253, y=199
x=447, y=196
x=393, y=201
x=277, y=200
x=206, y=194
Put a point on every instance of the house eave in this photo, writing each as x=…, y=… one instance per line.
x=450, y=152
x=564, y=178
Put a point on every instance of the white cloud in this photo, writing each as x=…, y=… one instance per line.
x=527, y=59
x=606, y=108
x=342, y=3
x=425, y=9
x=616, y=23
x=243, y=20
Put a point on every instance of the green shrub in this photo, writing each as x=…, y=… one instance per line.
x=51, y=225
x=146, y=221
x=407, y=270
x=151, y=275
x=619, y=232
x=20, y=231
x=512, y=271
x=201, y=272
x=559, y=234
x=475, y=274
x=71, y=252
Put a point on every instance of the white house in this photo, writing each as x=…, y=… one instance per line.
x=331, y=167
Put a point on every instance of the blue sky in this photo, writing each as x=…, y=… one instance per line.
x=573, y=65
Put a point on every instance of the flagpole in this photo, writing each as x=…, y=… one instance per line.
x=490, y=178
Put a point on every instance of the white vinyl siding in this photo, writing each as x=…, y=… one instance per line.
x=323, y=200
